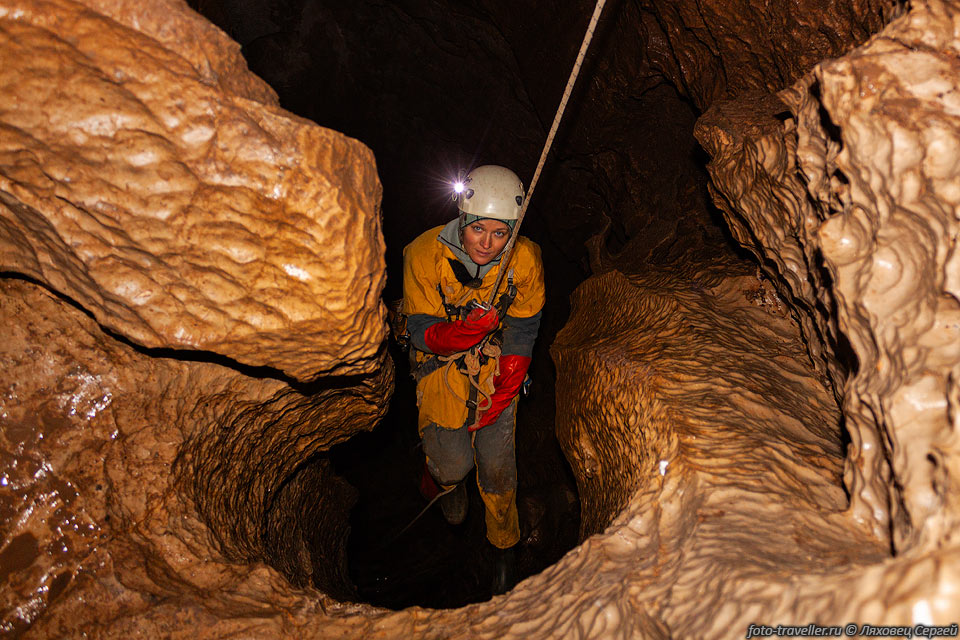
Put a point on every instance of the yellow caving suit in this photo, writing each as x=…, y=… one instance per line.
x=442, y=394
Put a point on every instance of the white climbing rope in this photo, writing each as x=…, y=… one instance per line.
x=587, y=37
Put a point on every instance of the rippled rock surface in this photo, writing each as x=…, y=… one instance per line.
x=130, y=480
x=153, y=179
x=855, y=199
x=197, y=317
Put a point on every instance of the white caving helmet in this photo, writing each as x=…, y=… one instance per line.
x=490, y=191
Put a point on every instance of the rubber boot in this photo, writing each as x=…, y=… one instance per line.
x=454, y=504
x=504, y=570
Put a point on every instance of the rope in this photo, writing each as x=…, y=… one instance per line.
x=418, y=516
x=473, y=369
x=587, y=37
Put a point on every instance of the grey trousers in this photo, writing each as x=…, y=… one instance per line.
x=452, y=453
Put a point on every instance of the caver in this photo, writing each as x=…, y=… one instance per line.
x=470, y=358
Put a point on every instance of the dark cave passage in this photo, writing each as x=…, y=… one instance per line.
x=361, y=69
x=433, y=564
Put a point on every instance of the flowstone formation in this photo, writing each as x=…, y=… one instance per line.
x=195, y=317
x=192, y=294
x=120, y=142
x=847, y=185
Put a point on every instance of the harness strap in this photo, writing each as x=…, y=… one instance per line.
x=468, y=362
x=452, y=310
x=507, y=298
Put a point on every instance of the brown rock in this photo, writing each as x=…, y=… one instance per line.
x=157, y=472
x=181, y=214
x=146, y=495
x=864, y=253
x=720, y=48
x=695, y=424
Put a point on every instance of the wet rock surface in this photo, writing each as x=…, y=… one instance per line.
x=118, y=468
x=164, y=386
x=159, y=483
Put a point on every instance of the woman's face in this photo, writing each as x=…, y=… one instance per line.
x=483, y=240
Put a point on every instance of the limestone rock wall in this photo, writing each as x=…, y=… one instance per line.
x=730, y=468
x=191, y=301
x=119, y=485
x=852, y=198
x=721, y=48
x=165, y=191
x=699, y=428
x=674, y=354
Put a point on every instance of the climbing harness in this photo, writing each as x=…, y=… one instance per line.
x=587, y=37
x=469, y=362
x=463, y=276
x=474, y=415
x=459, y=312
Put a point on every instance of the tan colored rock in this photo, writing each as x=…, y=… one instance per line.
x=158, y=476
x=755, y=183
x=153, y=180
x=708, y=450
x=178, y=447
x=230, y=248
x=874, y=141
x=888, y=186
x=699, y=428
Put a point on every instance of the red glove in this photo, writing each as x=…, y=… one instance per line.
x=513, y=369
x=446, y=338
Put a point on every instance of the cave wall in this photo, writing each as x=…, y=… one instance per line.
x=719, y=49
x=851, y=198
x=118, y=145
x=411, y=73
x=192, y=302
x=156, y=461
x=129, y=479
x=688, y=361
x=436, y=87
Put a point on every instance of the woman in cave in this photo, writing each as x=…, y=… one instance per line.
x=470, y=360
